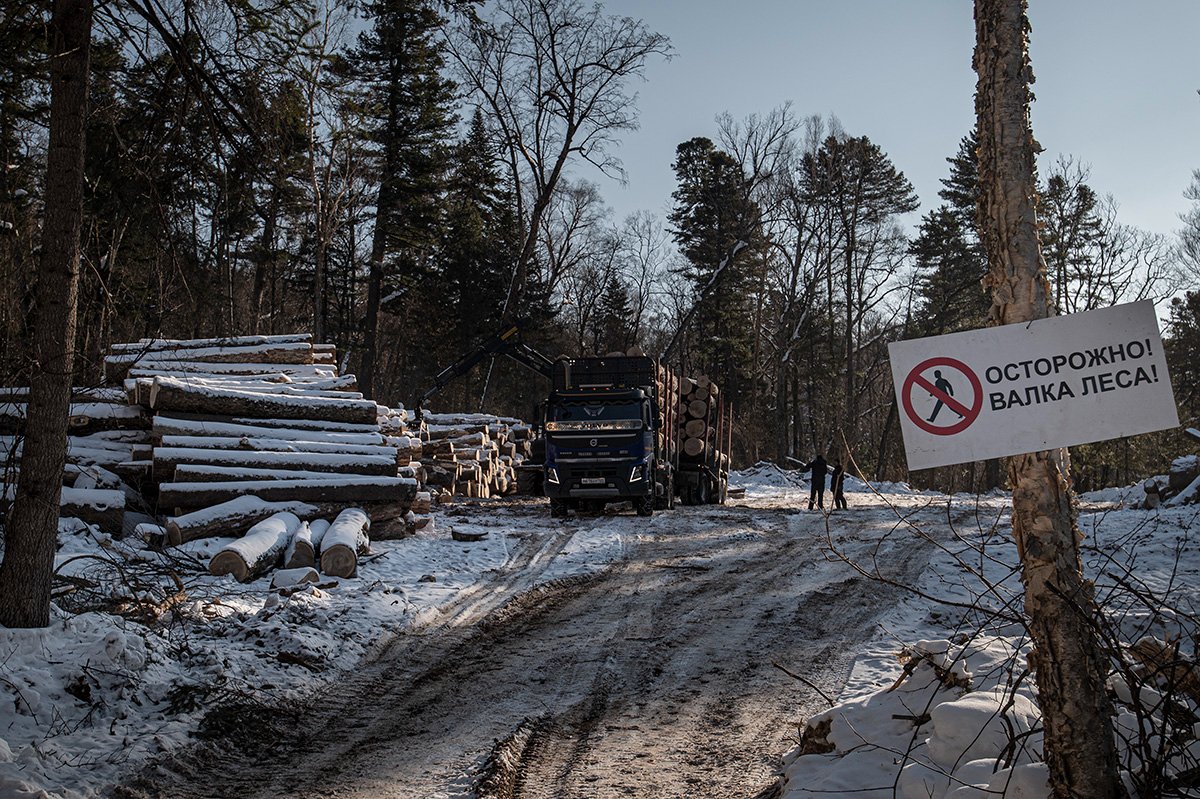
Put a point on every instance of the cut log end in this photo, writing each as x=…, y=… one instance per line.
x=339, y=561
x=227, y=562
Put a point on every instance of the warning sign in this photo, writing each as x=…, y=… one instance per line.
x=938, y=383
x=1019, y=388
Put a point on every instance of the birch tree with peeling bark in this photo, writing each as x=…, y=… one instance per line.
x=1068, y=661
x=553, y=76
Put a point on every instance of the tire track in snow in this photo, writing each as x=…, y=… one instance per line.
x=652, y=679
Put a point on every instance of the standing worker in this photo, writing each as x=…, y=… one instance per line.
x=819, y=469
x=837, y=483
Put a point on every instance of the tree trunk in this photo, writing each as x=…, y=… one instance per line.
x=1069, y=663
x=32, y=527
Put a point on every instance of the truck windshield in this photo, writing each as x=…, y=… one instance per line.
x=596, y=411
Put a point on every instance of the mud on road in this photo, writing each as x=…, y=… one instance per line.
x=655, y=678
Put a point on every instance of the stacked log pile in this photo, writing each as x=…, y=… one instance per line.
x=473, y=455
x=700, y=419
x=695, y=423
x=266, y=418
x=105, y=436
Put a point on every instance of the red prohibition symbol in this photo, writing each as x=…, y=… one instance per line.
x=916, y=381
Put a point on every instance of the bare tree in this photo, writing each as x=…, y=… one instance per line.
x=1069, y=663
x=553, y=76
x=32, y=527
x=1095, y=261
x=1189, y=236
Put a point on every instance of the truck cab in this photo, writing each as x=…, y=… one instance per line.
x=600, y=432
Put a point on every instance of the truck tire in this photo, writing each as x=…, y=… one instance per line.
x=529, y=482
x=644, y=506
x=558, y=508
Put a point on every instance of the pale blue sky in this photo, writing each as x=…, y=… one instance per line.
x=1116, y=87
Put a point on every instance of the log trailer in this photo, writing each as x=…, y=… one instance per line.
x=612, y=429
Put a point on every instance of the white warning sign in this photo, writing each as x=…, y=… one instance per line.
x=1027, y=387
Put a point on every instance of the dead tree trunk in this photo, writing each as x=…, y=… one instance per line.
x=32, y=527
x=1069, y=663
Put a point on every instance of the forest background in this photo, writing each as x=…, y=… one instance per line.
x=402, y=177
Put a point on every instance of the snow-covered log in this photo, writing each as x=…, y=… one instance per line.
x=211, y=473
x=259, y=550
x=102, y=507
x=342, y=489
x=316, y=532
x=300, y=551
x=229, y=518
x=161, y=344
x=85, y=417
x=278, y=445
x=173, y=394
x=287, y=580
x=171, y=426
x=141, y=390
x=261, y=371
x=344, y=541
x=167, y=458
x=267, y=353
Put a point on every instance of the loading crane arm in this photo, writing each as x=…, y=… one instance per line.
x=508, y=342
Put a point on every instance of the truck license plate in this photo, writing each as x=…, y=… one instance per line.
x=592, y=481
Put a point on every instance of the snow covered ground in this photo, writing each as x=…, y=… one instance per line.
x=98, y=692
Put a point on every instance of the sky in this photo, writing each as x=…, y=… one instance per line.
x=1116, y=88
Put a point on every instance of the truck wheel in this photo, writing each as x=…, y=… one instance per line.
x=703, y=496
x=644, y=506
x=558, y=508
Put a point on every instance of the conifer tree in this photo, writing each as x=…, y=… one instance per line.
x=400, y=62
x=947, y=258
x=479, y=242
x=719, y=231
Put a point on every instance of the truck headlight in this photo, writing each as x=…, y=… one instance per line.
x=637, y=473
x=551, y=475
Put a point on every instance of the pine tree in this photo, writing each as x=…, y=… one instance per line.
x=960, y=190
x=614, y=317
x=949, y=281
x=718, y=229
x=400, y=62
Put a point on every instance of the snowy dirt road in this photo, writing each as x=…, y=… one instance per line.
x=654, y=678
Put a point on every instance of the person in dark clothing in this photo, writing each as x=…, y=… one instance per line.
x=819, y=469
x=837, y=483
